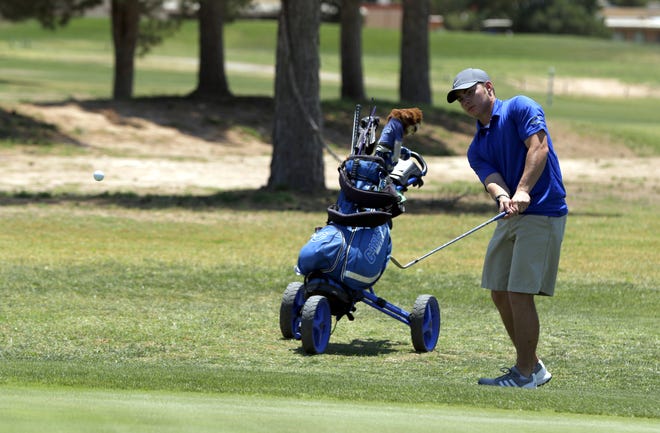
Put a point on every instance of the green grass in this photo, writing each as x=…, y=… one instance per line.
x=84, y=411
x=187, y=301
x=254, y=42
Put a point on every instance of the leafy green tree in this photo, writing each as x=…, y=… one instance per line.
x=137, y=25
x=578, y=17
x=629, y=3
x=50, y=13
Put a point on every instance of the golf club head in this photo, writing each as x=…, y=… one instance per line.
x=367, y=133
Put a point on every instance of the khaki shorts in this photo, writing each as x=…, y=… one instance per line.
x=523, y=255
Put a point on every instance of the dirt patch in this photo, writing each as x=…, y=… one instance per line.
x=179, y=146
x=161, y=127
x=601, y=87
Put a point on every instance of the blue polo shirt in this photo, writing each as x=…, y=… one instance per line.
x=500, y=148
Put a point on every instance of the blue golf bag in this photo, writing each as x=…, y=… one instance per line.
x=354, y=247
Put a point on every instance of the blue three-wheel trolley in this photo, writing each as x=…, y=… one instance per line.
x=372, y=181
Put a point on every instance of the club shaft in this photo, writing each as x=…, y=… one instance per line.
x=445, y=245
x=356, y=123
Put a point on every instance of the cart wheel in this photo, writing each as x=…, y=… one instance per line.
x=292, y=302
x=316, y=321
x=425, y=323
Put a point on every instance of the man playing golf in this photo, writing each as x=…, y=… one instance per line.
x=513, y=156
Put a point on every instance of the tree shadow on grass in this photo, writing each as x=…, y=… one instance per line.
x=240, y=200
x=206, y=119
x=211, y=119
x=21, y=129
x=258, y=200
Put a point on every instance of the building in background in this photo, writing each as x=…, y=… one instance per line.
x=634, y=24
x=387, y=15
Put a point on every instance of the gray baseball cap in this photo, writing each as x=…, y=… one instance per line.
x=466, y=79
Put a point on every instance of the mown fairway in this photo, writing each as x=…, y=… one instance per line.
x=185, y=300
x=76, y=411
x=160, y=313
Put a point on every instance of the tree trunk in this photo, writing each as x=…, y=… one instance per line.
x=297, y=161
x=125, y=27
x=212, y=80
x=414, y=81
x=352, y=80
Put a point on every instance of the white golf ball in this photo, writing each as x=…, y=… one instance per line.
x=98, y=175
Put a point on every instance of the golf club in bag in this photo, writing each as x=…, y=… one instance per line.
x=356, y=124
x=469, y=232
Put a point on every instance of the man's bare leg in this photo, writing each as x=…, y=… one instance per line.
x=520, y=318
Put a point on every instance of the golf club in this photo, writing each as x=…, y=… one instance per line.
x=356, y=124
x=484, y=224
x=366, y=136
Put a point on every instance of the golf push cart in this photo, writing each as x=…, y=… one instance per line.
x=343, y=260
